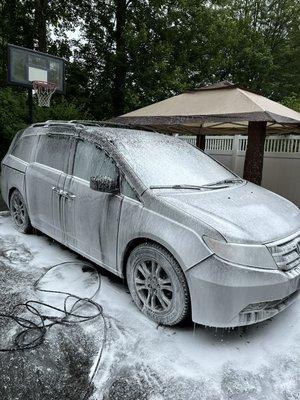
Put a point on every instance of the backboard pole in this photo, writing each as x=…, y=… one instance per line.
x=30, y=106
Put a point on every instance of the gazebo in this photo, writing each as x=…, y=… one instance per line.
x=220, y=108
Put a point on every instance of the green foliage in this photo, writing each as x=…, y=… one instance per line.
x=61, y=109
x=292, y=102
x=13, y=116
x=178, y=44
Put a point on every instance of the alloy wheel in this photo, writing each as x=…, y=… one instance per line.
x=153, y=285
x=18, y=210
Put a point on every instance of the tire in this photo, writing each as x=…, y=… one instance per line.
x=157, y=284
x=19, y=212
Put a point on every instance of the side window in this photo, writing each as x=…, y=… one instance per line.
x=92, y=161
x=23, y=147
x=126, y=190
x=53, y=151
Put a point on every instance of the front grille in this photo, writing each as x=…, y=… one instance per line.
x=286, y=253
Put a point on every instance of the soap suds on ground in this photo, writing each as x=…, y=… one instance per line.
x=140, y=361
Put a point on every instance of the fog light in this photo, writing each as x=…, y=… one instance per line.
x=256, y=312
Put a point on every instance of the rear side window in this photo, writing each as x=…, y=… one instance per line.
x=93, y=161
x=53, y=151
x=23, y=147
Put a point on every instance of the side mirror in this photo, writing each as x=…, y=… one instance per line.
x=104, y=184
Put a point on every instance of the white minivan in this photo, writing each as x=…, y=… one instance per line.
x=190, y=236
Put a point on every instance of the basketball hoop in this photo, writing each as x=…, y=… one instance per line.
x=44, y=91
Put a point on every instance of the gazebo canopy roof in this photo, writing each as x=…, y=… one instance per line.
x=221, y=107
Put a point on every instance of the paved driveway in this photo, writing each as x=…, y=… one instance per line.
x=140, y=361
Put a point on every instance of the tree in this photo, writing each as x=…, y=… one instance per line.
x=135, y=52
x=40, y=19
x=16, y=28
x=120, y=58
x=292, y=102
x=277, y=24
x=14, y=114
x=139, y=52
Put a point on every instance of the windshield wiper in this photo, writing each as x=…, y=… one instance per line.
x=175, y=187
x=224, y=182
x=195, y=187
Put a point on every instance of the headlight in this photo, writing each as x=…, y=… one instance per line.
x=244, y=254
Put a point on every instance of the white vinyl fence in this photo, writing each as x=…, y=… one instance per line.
x=281, y=172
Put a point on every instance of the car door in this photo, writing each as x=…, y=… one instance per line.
x=45, y=179
x=92, y=217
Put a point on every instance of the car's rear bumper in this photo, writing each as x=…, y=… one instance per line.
x=225, y=295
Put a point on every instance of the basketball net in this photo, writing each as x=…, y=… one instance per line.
x=44, y=91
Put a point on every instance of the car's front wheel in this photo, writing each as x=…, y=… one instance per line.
x=19, y=212
x=157, y=284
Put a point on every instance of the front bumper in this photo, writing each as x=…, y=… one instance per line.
x=225, y=295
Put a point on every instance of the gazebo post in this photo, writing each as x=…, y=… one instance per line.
x=254, y=158
x=200, y=140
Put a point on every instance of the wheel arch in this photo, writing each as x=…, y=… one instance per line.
x=19, y=189
x=10, y=192
x=144, y=239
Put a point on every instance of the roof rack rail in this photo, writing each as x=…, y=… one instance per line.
x=85, y=123
x=112, y=124
x=37, y=124
x=57, y=121
x=96, y=123
x=53, y=122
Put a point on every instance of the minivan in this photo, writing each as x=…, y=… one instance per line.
x=191, y=237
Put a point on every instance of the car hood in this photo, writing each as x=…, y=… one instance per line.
x=243, y=213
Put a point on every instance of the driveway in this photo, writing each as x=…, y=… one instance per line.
x=140, y=361
x=2, y=204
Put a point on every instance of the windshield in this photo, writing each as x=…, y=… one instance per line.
x=161, y=160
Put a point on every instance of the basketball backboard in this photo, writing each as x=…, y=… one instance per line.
x=26, y=66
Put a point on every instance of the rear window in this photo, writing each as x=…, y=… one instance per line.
x=23, y=147
x=53, y=151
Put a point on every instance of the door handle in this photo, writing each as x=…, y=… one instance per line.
x=55, y=189
x=63, y=193
x=69, y=196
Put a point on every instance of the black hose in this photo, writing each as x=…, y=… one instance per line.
x=34, y=332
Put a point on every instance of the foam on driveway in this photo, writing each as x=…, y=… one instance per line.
x=140, y=360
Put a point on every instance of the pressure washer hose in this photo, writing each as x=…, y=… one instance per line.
x=33, y=334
